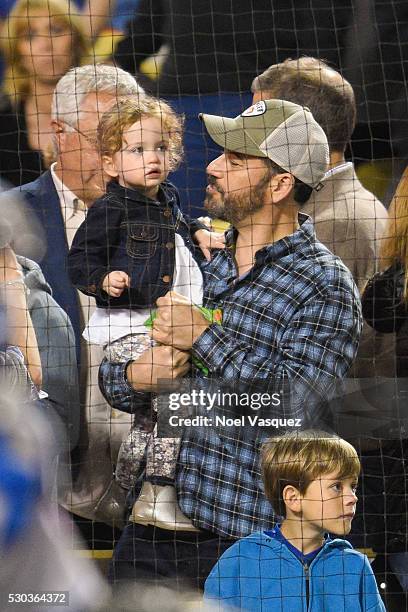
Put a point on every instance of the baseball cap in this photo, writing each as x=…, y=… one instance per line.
x=282, y=131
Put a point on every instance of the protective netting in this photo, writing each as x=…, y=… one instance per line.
x=299, y=324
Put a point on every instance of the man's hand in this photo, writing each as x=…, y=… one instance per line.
x=115, y=282
x=207, y=240
x=178, y=323
x=158, y=363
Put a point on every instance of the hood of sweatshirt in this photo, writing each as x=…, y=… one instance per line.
x=267, y=543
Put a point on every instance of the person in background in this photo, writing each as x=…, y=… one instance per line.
x=20, y=328
x=95, y=14
x=311, y=481
x=29, y=521
x=37, y=324
x=348, y=219
x=40, y=42
x=25, y=366
x=56, y=347
x=385, y=308
x=385, y=299
x=98, y=18
x=30, y=441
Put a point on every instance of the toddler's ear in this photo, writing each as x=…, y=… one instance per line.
x=109, y=166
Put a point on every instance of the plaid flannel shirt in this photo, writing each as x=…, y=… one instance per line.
x=295, y=318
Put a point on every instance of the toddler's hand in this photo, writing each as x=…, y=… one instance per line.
x=115, y=282
x=207, y=240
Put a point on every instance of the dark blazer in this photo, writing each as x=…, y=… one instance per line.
x=41, y=198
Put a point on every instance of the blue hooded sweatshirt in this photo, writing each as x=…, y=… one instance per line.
x=260, y=573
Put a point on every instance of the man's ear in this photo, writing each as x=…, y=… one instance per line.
x=59, y=133
x=292, y=498
x=109, y=166
x=281, y=186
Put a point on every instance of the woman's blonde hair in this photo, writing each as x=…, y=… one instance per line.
x=125, y=113
x=394, y=247
x=16, y=80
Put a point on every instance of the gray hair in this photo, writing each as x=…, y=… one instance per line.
x=74, y=86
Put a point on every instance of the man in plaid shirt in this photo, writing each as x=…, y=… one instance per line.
x=290, y=319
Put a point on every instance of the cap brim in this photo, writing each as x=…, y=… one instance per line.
x=228, y=134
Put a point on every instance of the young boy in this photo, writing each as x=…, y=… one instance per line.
x=311, y=480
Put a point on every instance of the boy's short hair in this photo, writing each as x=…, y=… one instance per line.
x=126, y=112
x=298, y=458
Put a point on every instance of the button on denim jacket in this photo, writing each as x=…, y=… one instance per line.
x=124, y=230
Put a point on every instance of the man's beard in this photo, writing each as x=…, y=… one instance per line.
x=235, y=207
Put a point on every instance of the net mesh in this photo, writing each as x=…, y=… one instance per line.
x=201, y=57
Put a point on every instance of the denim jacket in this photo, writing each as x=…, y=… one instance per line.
x=124, y=230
